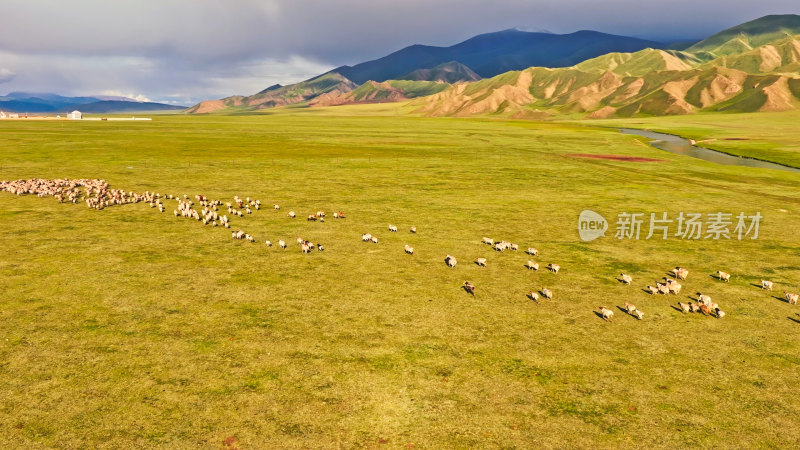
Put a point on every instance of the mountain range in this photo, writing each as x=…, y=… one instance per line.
x=754, y=66
x=53, y=103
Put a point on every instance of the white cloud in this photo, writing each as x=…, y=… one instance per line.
x=6, y=75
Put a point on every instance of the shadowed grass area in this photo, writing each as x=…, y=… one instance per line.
x=130, y=328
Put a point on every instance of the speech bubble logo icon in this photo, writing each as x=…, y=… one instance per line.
x=591, y=225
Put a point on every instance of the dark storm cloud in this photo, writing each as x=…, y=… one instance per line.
x=184, y=50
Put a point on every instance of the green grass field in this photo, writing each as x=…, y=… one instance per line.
x=130, y=328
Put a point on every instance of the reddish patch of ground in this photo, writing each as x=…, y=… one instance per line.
x=615, y=157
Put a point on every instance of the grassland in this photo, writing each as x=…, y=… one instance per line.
x=129, y=328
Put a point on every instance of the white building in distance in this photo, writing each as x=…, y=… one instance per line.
x=75, y=115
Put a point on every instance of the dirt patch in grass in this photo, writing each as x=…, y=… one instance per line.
x=615, y=157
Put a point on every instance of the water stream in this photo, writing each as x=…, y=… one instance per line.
x=681, y=146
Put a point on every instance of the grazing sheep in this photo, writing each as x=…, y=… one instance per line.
x=625, y=279
x=269, y=244
x=547, y=293
x=674, y=288
x=277, y=206
x=652, y=290
x=320, y=247
x=488, y=241
x=532, y=265
x=629, y=308
x=282, y=244
x=705, y=310
x=292, y=214
x=249, y=238
x=662, y=288
x=480, y=261
x=312, y=218
x=533, y=296
x=300, y=240
x=450, y=261
x=409, y=249
x=374, y=240
x=606, y=313
x=720, y=313
x=413, y=229
x=553, y=268
x=685, y=307
x=500, y=246
x=791, y=298
x=694, y=307
x=513, y=247
x=639, y=315
x=724, y=276
x=469, y=287
x=366, y=237
x=704, y=299
x=338, y=215
x=766, y=285
x=532, y=251
x=680, y=273
x=392, y=228
x=306, y=248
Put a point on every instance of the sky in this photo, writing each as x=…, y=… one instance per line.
x=184, y=51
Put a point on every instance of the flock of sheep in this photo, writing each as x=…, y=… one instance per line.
x=98, y=195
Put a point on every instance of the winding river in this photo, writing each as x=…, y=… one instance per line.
x=681, y=146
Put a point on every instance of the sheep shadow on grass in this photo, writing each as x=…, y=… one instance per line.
x=793, y=319
x=472, y=293
x=677, y=308
x=600, y=315
x=783, y=299
x=758, y=285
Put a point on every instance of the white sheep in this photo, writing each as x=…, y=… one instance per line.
x=532, y=251
x=413, y=229
x=487, y=241
x=547, y=293
x=269, y=244
x=450, y=261
x=480, y=261
x=724, y=276
x=606, y=313
x=553, y=268
x=393, y=228
x=374, y=240
x=766, y=285
x=409, y=249
x=277, y=207
x=292, y=214
x=625, y=279
x=532, y=265
x=791, y=298
x=533, y=296
x=282, y=244
x=639, y=315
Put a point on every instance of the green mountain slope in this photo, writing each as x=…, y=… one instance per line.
x=747, y=36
